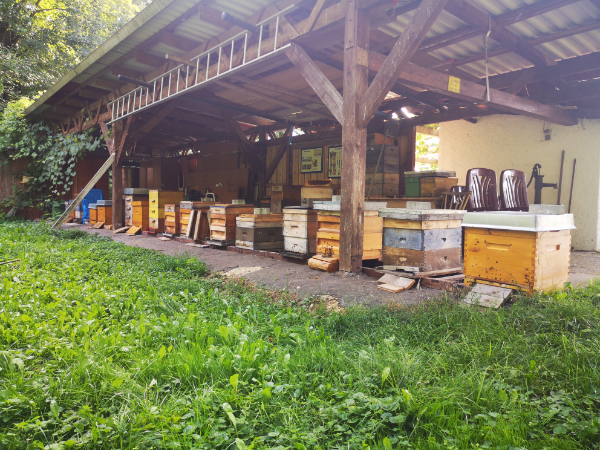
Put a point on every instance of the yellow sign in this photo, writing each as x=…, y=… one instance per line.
x=454, y=84
x=312, y=160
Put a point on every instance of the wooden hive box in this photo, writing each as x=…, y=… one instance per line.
x=158, y=199
x=140, y=214
x=530, y=258
x=104, y=208
x=171, y=218
x=300, y=230
x=436, y=186
x=328, y=229
x=422, y=240
x=223, y=220
x=93, y=213
x=259, y=232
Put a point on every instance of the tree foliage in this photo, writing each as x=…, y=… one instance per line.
x=52, y=157
x=41, y=39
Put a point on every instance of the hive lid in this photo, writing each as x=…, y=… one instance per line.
x=519, y=221
x=92, y=206
x=336, y=206
x=421, y=214
x=104, y=202
x=135, y=191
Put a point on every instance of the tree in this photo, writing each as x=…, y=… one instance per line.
x=40, y=40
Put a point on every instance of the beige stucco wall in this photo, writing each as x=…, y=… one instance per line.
x=515, y=142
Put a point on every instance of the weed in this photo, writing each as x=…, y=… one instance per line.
x=108, y=346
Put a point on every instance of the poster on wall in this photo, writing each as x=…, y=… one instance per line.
x=335, y=162
x=312, y=160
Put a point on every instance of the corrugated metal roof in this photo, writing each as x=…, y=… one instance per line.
x=160, y=13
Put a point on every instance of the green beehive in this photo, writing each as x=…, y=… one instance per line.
x=413, y=187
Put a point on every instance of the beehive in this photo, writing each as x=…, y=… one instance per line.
x=422, y=240
x=259, y=231
x=436, y=186
x=158, y=199
x=531, y=252
x=93, y=213
x=133, y=195
x=104, y=208
x=140, y=214
x=300, y=230
x=172, y=219
x=328, y=229
x=223, y=220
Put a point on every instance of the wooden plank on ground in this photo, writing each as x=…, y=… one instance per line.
x=121, y=230
x=98, y=225
x=134, y=230
x=442, y=283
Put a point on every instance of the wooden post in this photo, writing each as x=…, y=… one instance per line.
x=117, y=177
x=354, y=138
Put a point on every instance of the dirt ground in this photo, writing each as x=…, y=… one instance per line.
x=349, y=289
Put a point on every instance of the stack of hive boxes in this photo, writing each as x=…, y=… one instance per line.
x=223, y=221
x=431, y=183
x=172, y=219
x=133, y=195
x=281, y=194
x=300, y=230
x=104, y=208
x=383, y=170
x=328, y=229
x=158, y=199
x=422, y=240
x=259, y=231
x=93, y=213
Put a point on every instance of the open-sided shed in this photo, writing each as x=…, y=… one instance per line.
x=181, y=76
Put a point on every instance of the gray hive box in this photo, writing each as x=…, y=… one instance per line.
x=136, y=191
x=92, y=206
x=104, y=202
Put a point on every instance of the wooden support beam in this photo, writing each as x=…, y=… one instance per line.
x=279, y=154
x=248, y=147
x=456, y=113
x=401, y=53
x=156, y=119
x=273, y=87
x=580, y=64
x=308, y=24
x=148, y=59
x=536, y=41
x=119, y=149
x=84, y=192
x=573, y=92
x=180, y=42
x=505, y=19
x=317, y=80
x=274, y=99
x=354, y=138
x=468, y=13
x=467, y=90
x=119, y=70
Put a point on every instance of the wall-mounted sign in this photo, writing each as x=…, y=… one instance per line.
x=335, y=162
x=312, y=160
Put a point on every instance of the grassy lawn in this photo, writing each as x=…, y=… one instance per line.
x=108, y=346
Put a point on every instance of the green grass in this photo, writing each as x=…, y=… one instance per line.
x=108, y=346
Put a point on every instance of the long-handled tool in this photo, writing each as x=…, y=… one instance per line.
x=562, y=164
x=572, y=181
